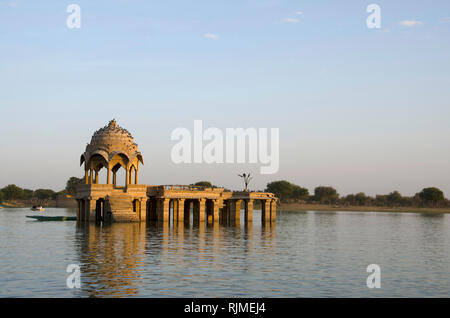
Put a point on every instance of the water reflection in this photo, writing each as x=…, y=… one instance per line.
x=110, y=258
x=122, y=259
x=306, y=254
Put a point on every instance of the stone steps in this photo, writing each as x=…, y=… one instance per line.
x=122, y=208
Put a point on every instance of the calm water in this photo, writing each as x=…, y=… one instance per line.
x=307, y=254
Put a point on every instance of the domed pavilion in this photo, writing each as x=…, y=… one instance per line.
x=112, y=147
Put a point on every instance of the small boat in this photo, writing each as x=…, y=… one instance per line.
x=52, y=218
x=37, y=208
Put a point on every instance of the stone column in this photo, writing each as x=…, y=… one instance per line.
x=127, y=174
x=91, y=172
x=143, y=209
x=202, y=203
x=114, y=178
x=131, y=175
x=180, y=211
x=237, y=211
x=199, y=211
x=265, y=210
x=108, y=175
x=273, y=210
x=215, y=210
x=249, y=210
x=163, y=210
x=91, y=209
x=136, y=175
x=96, y=177
x=86, y=176
x=175, y=210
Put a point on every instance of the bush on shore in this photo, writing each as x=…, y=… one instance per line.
x=288, y=192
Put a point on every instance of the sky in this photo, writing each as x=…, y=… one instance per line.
x=362, y=110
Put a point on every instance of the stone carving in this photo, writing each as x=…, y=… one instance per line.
x=247, y=180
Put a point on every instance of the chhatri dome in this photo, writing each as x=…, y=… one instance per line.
x=112, y=147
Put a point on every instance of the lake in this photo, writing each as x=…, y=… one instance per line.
x=306, y=254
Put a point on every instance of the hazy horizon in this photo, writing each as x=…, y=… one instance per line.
x=362, y=110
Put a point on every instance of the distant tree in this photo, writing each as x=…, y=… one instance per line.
x=361, y=199
x=28, y=194
x=282, y=189
x=299, y=193
x=407, y=201
x=71, y=185
x=12, y=192
x=44, y=194
x=62, y=192
x=349, y=199
x=1, y=196
x=326, y=195
x=381, y=200
x=394, y=198
x=431, y=196
x=206, y=184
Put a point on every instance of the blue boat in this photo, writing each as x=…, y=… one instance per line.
x=52, y=218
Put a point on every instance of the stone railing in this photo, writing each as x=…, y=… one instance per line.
x=189, y=188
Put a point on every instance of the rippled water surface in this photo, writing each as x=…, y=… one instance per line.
x=306, y=254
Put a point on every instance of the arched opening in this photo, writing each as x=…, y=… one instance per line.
x=171, y=211
x=101, y=174
x=83, y=210
x=136, y=205
x=99, y=210
x=188, y=216
x=118, y=176
x=151, y=210
x=96, y=164
x=209, y=210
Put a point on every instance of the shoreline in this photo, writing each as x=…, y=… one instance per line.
x=297, y=207
x=18, y=205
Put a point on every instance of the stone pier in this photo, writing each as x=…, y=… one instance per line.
x=112, y=148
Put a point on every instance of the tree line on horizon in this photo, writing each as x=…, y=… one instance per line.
x=291, y=193
x=13, y=192
x=286, y=191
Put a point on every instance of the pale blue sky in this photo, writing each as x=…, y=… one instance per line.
x=359, y=109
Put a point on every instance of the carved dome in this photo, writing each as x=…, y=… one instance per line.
x=110, y=141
